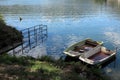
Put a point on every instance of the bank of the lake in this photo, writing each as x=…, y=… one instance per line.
x=9, y=36
x=46, y=68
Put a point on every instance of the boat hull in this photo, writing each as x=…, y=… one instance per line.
x=97, y=56
x=69, y=52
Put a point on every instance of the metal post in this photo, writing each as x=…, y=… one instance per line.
x=29, y=38
x=36, y=37
x=39, y=33
x=22, y=43
x=13, y=42
x=22, y=47
x=13, y=49
x=42, y=33
x=46, y=31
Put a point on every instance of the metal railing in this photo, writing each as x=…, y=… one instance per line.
x=32, y=37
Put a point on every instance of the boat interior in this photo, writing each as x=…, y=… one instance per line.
x=86, y=46
x=99, y=54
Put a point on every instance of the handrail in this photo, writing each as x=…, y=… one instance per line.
x=39, y=32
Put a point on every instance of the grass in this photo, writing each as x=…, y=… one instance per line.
x=45, y=68
x=26, y=68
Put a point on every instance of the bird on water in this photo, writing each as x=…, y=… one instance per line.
x=20, y=18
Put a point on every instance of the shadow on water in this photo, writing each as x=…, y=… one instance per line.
x=69, y=59
x=112, y=60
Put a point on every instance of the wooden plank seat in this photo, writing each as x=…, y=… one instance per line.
x=92, y=43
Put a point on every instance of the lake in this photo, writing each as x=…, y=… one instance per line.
x=69, y=21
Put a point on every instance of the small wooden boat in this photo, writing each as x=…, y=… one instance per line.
x=81, y=47
x=98, y=55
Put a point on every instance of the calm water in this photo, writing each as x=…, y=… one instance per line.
x=69, y=21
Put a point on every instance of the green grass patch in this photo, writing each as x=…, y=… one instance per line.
x=46, y=68
x=44, y=65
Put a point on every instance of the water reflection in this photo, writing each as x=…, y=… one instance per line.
x=100, y=1
x=111, y=62
x=68, y=21
x=112, y=6
x=66, y=8
x=63, y=8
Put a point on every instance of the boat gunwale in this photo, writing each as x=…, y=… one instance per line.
x=66, y=51
x=92, y=62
